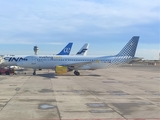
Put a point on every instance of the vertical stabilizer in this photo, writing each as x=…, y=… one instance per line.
x=83, y=50
x=130, y=48
x=66, y=50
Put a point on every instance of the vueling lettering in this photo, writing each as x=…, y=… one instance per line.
x=16, y=59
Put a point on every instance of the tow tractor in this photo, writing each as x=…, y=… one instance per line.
x=7, y=71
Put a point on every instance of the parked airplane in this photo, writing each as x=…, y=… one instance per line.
x=11, y=60
x=64, y=64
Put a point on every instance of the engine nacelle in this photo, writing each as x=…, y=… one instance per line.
x=61, y=69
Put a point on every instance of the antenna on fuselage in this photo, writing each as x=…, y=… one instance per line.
x=36, y=50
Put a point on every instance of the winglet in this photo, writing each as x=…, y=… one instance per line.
x=83, y=50
x=130, y=48
x=66, y=50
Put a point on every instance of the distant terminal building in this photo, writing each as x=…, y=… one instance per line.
x=148, y=62
x=152, y=62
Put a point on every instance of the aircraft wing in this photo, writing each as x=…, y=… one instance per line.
x=78, y=65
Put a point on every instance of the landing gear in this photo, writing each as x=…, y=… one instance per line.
x=7, y=73
x=76, y=73
x=34, y=72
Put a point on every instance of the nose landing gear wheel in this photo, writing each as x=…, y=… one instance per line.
x=76, y=73
x=34, y=72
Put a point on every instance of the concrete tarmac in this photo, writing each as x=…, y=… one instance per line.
x=122, y=93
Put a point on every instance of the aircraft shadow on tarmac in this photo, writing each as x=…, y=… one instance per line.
x=47, y=75
x=53, y=75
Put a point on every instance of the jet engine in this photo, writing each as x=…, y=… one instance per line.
x=61, y=69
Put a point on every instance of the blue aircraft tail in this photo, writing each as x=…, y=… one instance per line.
x=66, y=50
x=130, y=48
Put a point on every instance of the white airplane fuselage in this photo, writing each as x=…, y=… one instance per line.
x=11, y=60
x=50, y=62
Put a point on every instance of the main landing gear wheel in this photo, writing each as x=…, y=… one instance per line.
x=76, y=73
x=34, y=72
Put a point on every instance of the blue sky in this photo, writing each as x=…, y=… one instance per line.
x=107, y=25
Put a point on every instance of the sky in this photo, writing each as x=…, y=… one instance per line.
x=107, y=25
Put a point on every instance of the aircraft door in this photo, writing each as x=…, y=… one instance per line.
x=33, y=60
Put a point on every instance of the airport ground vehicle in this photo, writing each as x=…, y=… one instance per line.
x=7, y=71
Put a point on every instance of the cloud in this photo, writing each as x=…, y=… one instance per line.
x=26, y=42
x=92, y=21
x=150, y=54
x=74, y=15
x=15, y=42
